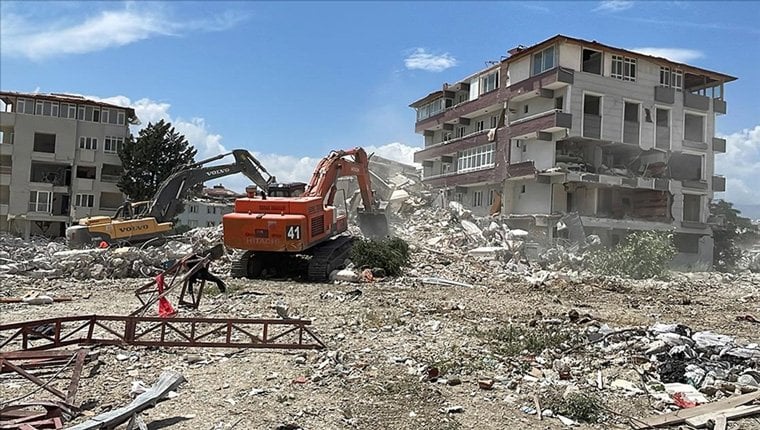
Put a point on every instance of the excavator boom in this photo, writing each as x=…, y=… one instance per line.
x=141, y=221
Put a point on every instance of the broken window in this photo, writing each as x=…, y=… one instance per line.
x=543, y=60
x=592, y=61
x=692, y=204
x=592, y=116
x=694, y=127
x=631, y=123
x=44, y=142
x=559, y=103
x=686, y=243
x=662, y=118
x=86, y=172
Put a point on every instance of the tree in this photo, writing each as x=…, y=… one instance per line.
x=735, y=229
x=150, y=159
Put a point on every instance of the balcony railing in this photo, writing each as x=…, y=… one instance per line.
x=41, y=207
x=719, y=183
x=548, y=121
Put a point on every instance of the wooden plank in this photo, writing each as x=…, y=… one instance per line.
x=737, y=412
x=720, y=422
x=684, y=414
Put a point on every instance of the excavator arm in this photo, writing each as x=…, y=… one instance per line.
x=351, y=162
x=167, y=202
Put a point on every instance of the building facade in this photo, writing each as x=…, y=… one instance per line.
x=58, y=160
x=207, y=209
x=567, y=126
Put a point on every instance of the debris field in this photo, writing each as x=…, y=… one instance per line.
x=472, y=335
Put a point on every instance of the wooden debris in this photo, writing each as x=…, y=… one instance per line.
x=737, y=412
x=678, y=417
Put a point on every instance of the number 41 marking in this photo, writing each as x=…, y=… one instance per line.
x=294, y=232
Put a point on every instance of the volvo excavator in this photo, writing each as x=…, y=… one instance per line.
x=136, y=222
x=274, y=231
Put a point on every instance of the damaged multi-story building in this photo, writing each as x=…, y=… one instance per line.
x=207, y=208
x=58, y=160
x=567, y=126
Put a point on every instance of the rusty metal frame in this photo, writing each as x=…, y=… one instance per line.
x=155, y=331
x=7, y=362
x=148, y=294
x=21, y=416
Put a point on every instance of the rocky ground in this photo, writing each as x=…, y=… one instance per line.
x=380, y=343
x=462, y=340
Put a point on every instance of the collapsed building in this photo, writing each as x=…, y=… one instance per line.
x=567, y=126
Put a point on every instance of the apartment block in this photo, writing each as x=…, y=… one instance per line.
x=58, y=160
x=567, y=126
x=207, y=209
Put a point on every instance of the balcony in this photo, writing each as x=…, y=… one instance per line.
x=719, y=106
x=535, y=126
x=541, y=85
x=718, y=183
x=451, y=115
x=485, y=175
x=696, y=101
x=719, y=145
x=459, y=144
x=521, y=170
x=664, y=95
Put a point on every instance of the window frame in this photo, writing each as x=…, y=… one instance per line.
x=88, y=143
x=542, y=62
x=84, y=200
x=638, y=118
x=670, y=124
x=601, y=111
x=704, y=125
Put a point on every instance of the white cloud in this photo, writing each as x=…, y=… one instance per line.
x=286, y=168
x=422, y=60
x=28, y=37
x=678, y=55
x=613, y=6
x=740, y=164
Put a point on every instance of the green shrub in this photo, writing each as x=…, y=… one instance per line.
x=581, y=406
x=642, y=254
x=389, y=254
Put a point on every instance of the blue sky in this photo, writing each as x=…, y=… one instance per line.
x=293, y=80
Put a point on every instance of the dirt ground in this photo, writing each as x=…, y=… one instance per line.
x=379, y=342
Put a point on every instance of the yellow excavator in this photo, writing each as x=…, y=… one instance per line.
x=136, y=222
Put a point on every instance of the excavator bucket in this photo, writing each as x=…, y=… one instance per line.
x=373, y=224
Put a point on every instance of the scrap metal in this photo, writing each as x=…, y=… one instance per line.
x=168, y=381
x=7, y=363
x=28, y=416
x=160, y=332
x=148, y=294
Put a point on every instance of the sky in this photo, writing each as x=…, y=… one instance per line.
x=291, y=81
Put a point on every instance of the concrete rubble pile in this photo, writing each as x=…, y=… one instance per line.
x=41, y=258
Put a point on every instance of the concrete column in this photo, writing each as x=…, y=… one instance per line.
x=507, y=198
x=706, y=248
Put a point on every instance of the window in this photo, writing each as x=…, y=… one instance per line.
x=671, y=78
x=522, y=189
x=491, y=196
x=623, y=68
x=106, y=115
x=68, y=110
x=477, y=158
x=460, y=131
x=210, y=209
x=40, y=201
x=86, y=172
x=592, y=105
x=543, y=60
x=433, y=108
x=592, y=61
x=525, y=109
x=84, y=200
x=459, y=197
x=120, y=117
x=494, y=121
x=46, y=108
x=25, y=106
x=662, y=117
x=592, y=116
x=194, y=209
x=44, y=142
x=477, y=198
x=88, y=143
x=691, y=207
x=694, y=127
x=89, y=113
x=489, y=82
x=481, y=125
x=113, y=144
x=631, y=122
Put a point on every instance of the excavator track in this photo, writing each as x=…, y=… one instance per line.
x=328, y=256
x=239, y=267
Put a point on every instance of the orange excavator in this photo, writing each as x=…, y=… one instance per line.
x=274, y=229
